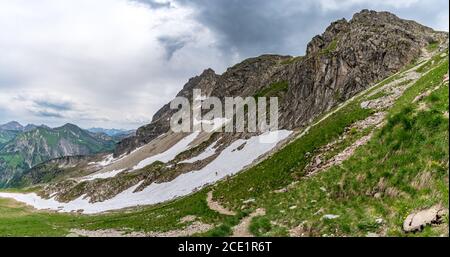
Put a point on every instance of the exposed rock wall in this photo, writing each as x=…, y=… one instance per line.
x=344, y=60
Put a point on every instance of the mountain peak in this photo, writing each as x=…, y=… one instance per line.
x=71, y=126
x=370, y=14
x=208, y=71
x=30, y=127
x=12, y=125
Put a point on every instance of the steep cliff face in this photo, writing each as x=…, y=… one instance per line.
x=344, y=60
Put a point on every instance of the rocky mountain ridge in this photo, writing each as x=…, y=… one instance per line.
x=344, y=60
x=16, y=126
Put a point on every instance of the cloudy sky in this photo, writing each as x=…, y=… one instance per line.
x=113, y=63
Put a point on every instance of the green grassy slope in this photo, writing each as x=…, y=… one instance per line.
x=406, y=161
x=6, y=136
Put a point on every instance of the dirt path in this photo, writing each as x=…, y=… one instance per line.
x=194, y=228
x=242, y=229
x=341, y=157
x=320, y=162
x=216, y=206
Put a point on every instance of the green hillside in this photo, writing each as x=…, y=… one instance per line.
x=30, y=148
x=6, y=136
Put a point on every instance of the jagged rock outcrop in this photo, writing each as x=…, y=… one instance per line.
x=347, y=58
x=344, y=60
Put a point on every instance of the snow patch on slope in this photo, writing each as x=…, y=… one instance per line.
x=104, y=175
x=229, y=162
x=210, y=151
x=170, y=154
x=105, y=162
x=211, y=125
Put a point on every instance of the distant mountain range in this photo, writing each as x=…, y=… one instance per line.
x=11, y=129
x=115, y=133
x=23, y=147
x=16, y=126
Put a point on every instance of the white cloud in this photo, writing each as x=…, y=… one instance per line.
x=104, y=54
x=442, y=21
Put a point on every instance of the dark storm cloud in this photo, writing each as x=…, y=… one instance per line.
x=48, y=114
x=57, y=106
x=154, y=4
x=47, y=107
x=253, y=27
x=172, y=44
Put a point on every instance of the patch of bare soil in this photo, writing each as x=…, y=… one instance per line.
x=392, y=90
